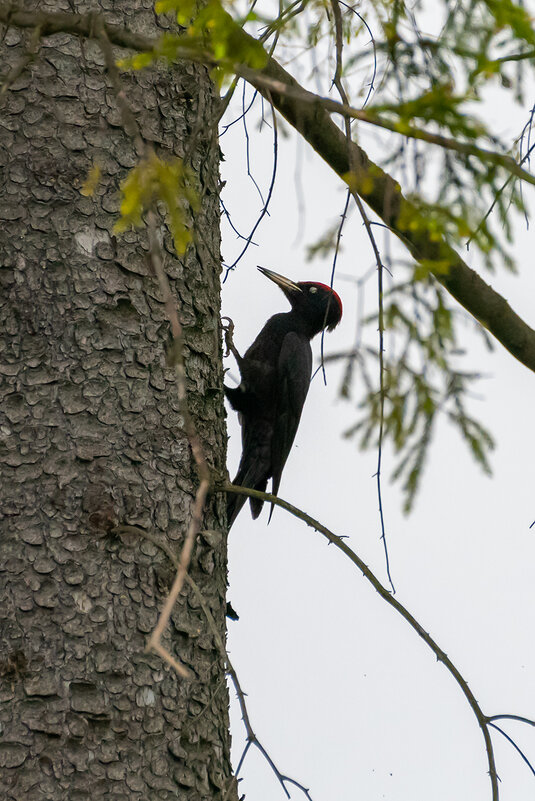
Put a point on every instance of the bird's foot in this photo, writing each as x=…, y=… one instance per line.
x=229, y=341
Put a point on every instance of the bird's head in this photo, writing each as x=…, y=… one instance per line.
x=316, y=303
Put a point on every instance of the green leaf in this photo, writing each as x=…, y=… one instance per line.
x=155, y=180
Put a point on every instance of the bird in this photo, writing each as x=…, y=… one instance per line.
x=275, y=376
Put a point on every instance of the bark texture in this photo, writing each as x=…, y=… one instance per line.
x=91, y=437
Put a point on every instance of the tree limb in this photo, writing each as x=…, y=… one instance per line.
x=307, y=113
x=78, y=24
x=483, y=720
x=384, y=196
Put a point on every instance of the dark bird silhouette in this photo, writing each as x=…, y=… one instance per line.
x=275, y=376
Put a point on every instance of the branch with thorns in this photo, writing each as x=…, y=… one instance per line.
x=485, y=722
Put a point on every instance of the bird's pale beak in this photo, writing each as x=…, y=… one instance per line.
x=285, y=284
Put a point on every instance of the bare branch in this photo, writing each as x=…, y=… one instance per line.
x=155, y=253
x=203, y=470
x=519, y=718
x=77, y=24
x=265, y=206
x=337, y=81
x=264, y=82
x=515, y=746
x=441, y=656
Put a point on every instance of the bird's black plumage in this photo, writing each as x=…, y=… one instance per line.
x=275, y=376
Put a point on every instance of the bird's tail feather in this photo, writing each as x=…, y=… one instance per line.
x=255, y=503
x=234, y=506
x=251, y=478
x=254, y=470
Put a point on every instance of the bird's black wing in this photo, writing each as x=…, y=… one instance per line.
x=256, y=420
x=293, y=379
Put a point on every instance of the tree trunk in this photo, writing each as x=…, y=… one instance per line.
x=92, y=437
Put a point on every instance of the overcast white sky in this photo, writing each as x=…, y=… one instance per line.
x=341, y=692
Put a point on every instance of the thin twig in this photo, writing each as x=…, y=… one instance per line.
x=248, y=145
x=129, y=121
x=337, y=81
x=387, y=596
x=506, y=183
x=291, y=11
x=229, y=220
x=155, y=254
x=343, y=218
x=268, y=199
x=374, y=74
x=252, y=739
x=515, y=746
x=203, y=470
x=519, y=718
x=381, y=327
x=225, y=102
x=228, y=125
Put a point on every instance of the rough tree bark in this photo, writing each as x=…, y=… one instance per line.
x=92, y=437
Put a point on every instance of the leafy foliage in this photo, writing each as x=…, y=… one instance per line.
x=414, y=73
x=207, y=33
x=433, y=81
x=421, y=381
x=169, y=182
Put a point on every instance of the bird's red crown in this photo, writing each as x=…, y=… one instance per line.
x=328, y=288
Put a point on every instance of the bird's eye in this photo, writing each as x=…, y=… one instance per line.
x=313, y=289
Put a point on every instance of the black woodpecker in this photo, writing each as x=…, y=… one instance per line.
x=275, y=376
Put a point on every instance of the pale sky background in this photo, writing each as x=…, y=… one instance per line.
x=341, y=692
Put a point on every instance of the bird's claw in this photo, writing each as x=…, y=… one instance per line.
x=229, y=341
